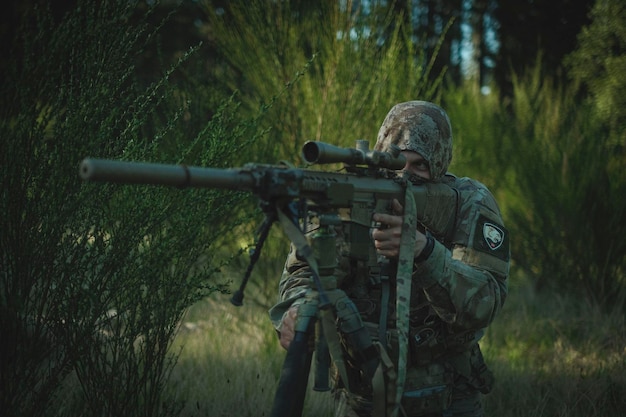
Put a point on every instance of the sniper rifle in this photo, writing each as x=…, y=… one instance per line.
x=295, y=197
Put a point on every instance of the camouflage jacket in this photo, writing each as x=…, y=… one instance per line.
x=462, y=285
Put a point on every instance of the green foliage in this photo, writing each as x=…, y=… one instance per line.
x=95, y=277
x=348, y=74
x=553, y=168
x=600, y=62
x=572, y=220
x=477, y=128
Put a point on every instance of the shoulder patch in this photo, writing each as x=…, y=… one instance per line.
x=493, y=235
x=491, y=238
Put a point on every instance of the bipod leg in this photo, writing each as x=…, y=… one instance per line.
x=294, y=377
x=264, y=230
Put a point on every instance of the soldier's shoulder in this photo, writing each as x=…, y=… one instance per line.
x=481, y=237
x=472, y=191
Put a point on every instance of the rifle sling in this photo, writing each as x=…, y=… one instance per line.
x=403, y=292
x=384, y=304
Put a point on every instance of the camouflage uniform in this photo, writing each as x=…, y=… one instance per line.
x=456, y=291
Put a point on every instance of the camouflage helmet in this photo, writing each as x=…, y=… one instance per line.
x=422, y=127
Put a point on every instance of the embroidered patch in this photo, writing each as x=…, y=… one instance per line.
x=493, y=235
x=491, y=238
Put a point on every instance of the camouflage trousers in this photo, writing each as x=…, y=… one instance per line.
x=465, y=403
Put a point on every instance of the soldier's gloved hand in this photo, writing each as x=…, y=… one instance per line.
x=387, y=236
x=287, y=327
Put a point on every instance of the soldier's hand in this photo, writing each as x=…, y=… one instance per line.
x=387, y=237
x=287, y=327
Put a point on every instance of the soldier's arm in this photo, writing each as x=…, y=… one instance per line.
x=464, y=295
x=292, y=287
x=467, y=285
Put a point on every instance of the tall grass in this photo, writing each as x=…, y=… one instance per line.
x=551, y=355
x=556, y=356
x=230, y=362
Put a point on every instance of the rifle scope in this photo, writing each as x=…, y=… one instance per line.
x=324, y=153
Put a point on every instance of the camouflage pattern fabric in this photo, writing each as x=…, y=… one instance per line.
x=465, y=280
x=421, y=127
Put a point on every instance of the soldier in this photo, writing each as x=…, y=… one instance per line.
x=458, y=284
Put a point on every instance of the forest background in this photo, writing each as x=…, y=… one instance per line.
x=114, y=299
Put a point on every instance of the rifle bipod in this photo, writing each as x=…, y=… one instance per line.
x=264, y=230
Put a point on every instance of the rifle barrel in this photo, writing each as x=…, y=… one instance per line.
x=164, y=174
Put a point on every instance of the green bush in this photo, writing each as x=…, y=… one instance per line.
x=600, y=61
x=553, y=167
x=572, y=214
x=95, y=277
